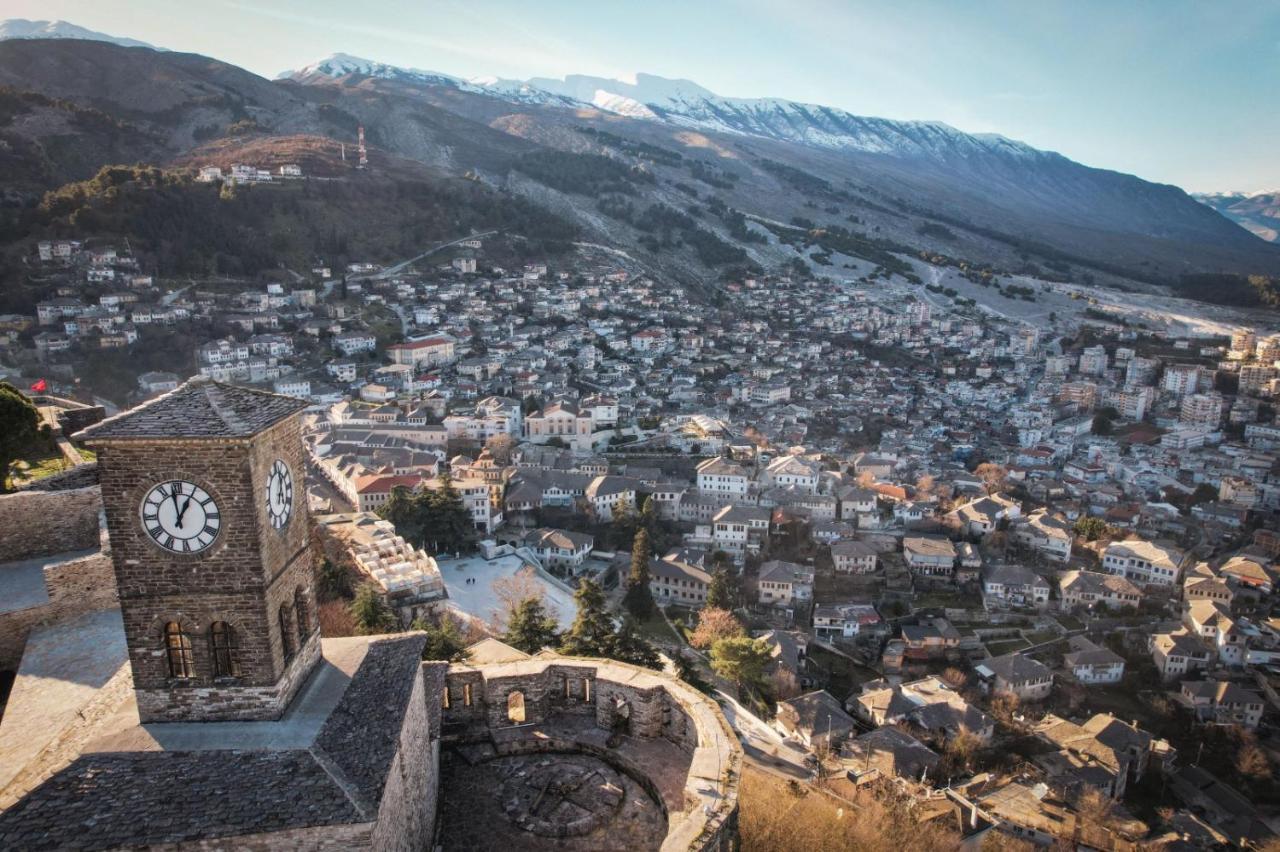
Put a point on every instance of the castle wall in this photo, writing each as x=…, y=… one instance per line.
x=638, y=702
x=44, y=523
x=75, y=587
x=407, y=813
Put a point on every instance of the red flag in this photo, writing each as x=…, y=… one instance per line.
x=40, y=386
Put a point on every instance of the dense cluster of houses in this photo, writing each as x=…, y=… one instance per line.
x=821, y=441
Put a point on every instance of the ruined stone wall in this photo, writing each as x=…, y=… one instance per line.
x=636, y=711
x=75, y=587
x=498, y=692
x=572, y=690
x=407, y=813
x=460, y=711
x=44, y=523
x=641, y=703
x=677, y=725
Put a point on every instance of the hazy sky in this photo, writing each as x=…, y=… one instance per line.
x=1172, y=90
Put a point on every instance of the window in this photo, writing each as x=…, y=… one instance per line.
x=177, y=645
x=286, y=634
x=222, y=649
x=447, y=702
x=466, y=695
x=515, y=708
x=302, y=616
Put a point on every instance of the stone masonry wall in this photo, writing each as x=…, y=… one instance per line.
x=250, y=572
x=69, y=744
x=75, y=587
x=44, y=523
x=406, y=814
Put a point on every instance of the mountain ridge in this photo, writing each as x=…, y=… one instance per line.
x=686, y=103
x=674, y=188
x=14, y=28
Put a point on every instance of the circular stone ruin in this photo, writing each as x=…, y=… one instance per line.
x=582, y=755
x=561, y=796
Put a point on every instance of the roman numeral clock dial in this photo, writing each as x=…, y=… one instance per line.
x=279, y=494
x=180, y=516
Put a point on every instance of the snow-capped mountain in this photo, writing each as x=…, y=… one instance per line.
x=1256, y=212
x=343, y=65
x=22, y=28
x=686, y=104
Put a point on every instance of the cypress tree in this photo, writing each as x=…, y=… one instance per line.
x=638, y=599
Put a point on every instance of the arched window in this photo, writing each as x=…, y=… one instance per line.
x=515, y=708
x=177, y=647
x=286, y=633
x=302, y=617
x=222, y=649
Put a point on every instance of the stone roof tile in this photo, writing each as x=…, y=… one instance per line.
x=197, y=409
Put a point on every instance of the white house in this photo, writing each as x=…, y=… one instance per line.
x=723, y=478
x=1144, y=561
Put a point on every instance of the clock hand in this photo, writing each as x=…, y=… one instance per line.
x=183, y=510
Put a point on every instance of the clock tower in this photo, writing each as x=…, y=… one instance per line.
x=210, y=541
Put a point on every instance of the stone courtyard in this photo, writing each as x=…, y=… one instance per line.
x=545, y=801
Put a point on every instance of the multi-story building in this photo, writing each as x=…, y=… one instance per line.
x=1144, y=561
x=428, y=352
x=853, y=557
x=676, y=581
x=1202, y=410
x=784, y=583
x=1016, y=674
x=723, y=478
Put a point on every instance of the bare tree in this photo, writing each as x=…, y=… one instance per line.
x=993, y=475
x=784, y=684
x=501, y=448
x=515, y=590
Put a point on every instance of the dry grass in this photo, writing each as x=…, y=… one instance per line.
x=780, y=816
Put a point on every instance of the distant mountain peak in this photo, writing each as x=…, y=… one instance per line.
x=685, y=103
x=22, y=28
x=344, y=64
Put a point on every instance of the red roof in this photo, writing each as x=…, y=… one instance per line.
x=377, y=483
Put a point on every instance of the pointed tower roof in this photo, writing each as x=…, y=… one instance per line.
x=200, y=408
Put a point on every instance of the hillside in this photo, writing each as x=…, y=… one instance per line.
x=180, y=228
x=696, y=184
x=1258, y=213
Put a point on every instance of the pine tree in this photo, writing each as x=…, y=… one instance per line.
x=638, y=598
x=404, y=512
x=592, y=632
x=445, y=519
x=740, y=659
x=445, y=640
x=719, y=596
x=630, y=647
x=370, y=612
x=530, y=628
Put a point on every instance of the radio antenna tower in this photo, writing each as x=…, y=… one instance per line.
x=364, y=154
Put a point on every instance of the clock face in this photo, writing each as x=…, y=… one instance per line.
x=180, y=516
x=279, y=494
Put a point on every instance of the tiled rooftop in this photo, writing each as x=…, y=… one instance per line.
x=197, y=409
